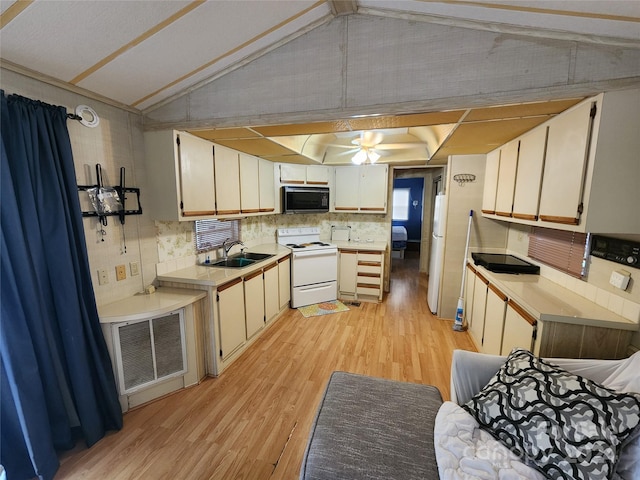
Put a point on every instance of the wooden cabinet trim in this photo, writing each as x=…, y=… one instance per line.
x=228, y=212
x=372, y=209
x=369, y=264
x=312, y=182
x=348, y=252
x=251, y=210
x=284, y=259
x=230, y=284
x=523, y=313
x=295, y=182
x=367, y=274
x=269, y=267
x=497, y=291
x=482, y=279
x=199, y=214
x=253, y=275
x=266, y=210
x=488, y=212
x=563, y=220
x=525, y=216
x=503, y=214
x=471, y=267
x=347, y=208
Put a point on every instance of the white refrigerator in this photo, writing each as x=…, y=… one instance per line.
x=436, y=259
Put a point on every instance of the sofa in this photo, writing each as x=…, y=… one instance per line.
x=373, y=428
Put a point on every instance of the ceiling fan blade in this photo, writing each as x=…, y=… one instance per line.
x=337, y=145
x=348, y=152
x=400, y=146
x=370, y=138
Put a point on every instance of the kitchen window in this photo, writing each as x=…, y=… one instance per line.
x=565, y=251
x=401, y=197
x=210, y=234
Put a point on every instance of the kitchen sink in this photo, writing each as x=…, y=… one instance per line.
x=252, y=255
x=232, y=262
x=239, y=260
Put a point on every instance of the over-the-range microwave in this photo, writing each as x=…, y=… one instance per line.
x=305, y=199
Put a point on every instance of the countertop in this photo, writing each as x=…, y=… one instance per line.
x=549, y=301
x=141, y=306
x=216, y=276
x=361, y=245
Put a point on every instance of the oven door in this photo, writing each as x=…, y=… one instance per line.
x=315, y=266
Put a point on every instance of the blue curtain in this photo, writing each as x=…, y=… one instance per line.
x=57, y=384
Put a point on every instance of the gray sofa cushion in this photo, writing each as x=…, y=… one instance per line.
x=372, y=428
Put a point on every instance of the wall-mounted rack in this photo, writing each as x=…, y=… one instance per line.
x=121, y=190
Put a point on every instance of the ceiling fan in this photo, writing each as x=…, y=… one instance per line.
x=369, y=146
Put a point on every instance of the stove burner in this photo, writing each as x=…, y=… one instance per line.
x=294, y=245
x=320, y=243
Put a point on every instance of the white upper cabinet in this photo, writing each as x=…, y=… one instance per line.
x=529, y=177
x=361, y=188
x=227, y=180
x=249, y=184
x=293, y=173
x=507, y=178
x=180, y=174
x=491, y=182
x=318, y=175
x=267, y=186
x=373, y=188
x=589, y=166
x=565, y=165
x=347, y=184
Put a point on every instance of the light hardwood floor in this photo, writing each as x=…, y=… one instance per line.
x=253, y=421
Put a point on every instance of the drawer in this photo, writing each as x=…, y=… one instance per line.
x=367, y=290
x=377, y=269
x=369, y=280
x=369, y=257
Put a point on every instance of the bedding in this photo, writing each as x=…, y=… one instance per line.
x=398, y=237
x=467, y=444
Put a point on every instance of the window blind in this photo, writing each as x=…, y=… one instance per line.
x=565, y=251
x=211, y=234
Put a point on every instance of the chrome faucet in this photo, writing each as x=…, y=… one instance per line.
x=227, y=246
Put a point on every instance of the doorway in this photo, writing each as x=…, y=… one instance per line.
x=408, y=194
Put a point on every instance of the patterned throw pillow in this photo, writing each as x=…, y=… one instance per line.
x=566, y=426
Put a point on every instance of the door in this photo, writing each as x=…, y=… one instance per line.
x=347, y=183
x=197, y=183
x=494, y=321
x=231, y=318
x=507, y=178
x=373, y=188
x=267, y=186
x=315, y=266
x=348, y=271
x=519, y=329
x=249, y=184
x=271, y=294
x=254, y=303
x=284, y=281
x=227, y=166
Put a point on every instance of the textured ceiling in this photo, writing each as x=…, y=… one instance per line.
x=139, y=54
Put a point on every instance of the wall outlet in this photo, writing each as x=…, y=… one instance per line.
x=620, y=279
x=103, y=276
x=134, y=267
x=121, y=272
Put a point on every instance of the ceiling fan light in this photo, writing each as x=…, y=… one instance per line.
x=373, y=156
x=360, y=157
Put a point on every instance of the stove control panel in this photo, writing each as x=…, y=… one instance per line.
x=616, y=250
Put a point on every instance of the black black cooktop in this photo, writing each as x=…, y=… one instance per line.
x=501, y=263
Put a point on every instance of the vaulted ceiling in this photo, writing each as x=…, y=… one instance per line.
x=140, y=54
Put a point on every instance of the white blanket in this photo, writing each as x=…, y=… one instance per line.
x=464, y=451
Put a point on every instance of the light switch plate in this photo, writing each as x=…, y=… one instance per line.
x=121, y=272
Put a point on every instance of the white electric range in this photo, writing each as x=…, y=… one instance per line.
x=314, y=266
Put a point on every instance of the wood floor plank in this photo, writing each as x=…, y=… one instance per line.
x=253, y=421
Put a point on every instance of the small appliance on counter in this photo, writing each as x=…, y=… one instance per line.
x=503, y=263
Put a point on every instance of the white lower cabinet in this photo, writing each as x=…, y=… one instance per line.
x=231, y=317
x=348, y=275
x=494, y=320
x=476, y=326
x=271, y=292
x=519, y=329
x=284, y=281
x=470, y=283
x=361, y=275
x=254, y=303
